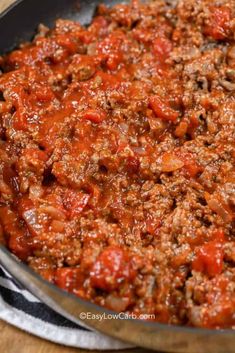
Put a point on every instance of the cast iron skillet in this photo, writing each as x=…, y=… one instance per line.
x=18, y=23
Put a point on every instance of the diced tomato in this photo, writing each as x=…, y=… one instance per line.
x=108, y=80
x=110, y=49
x=162, y=47
x=75, y=202
x=218, y=235
x=29, y=214
x=35, y=154
x=114, y=60
x=177, y=34
x=48, y=274
x=209, y=258
x=132, y=164
x=99, y=22
x=17, y=97
x=10, y=178
x=153, y=225
x=142, y=35
x=31, y=55
x=85, y=36
x=162, y=109
x=94, y=191
x=20, y=120
x=94, y=115
x=190, y=164
x=69, y=279
x=67, y=42
x=44, y=93
x=51, y=127
x=193, y=124
x=24, y=204
x=18, y=244
x=19, y=58
x=17, y=240
x=219, y=206
x=170, y=162
x=192, y=168
x=218, y=27
x=181, y=129
x=99, y=26
x=111, y=268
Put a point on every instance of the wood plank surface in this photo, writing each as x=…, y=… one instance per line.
x=4, y=4
x=15, y=341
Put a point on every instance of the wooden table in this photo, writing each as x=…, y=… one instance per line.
x=4, y=4
x=15, y=341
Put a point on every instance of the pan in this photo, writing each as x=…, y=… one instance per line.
x=18, y=24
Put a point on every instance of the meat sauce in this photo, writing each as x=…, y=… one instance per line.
x=117, y=159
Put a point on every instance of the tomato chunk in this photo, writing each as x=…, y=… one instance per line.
x=161, y=48
x=17, y=239
x=110, y=50
x=218, y=27
x=68, y=42
x=75, y=202
x=19, y=245
x=132, y=164
x=95, y=116
x=209, y=258
x=34, y=154
x=162, y=109
x=69, y=279
x=191, y=166
x=29, y=214
x=218, y=235
x=170, y=162
x=111, y=269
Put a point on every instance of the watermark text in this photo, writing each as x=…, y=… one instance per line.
x=119, y=316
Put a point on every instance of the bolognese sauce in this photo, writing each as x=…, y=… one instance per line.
x=117, y=159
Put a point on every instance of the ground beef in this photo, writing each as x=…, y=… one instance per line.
x=117, y=176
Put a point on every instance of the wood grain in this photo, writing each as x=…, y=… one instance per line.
x=15, y=341
x=4, y=4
